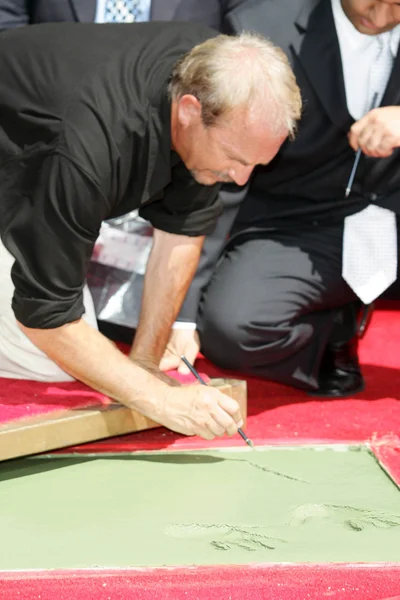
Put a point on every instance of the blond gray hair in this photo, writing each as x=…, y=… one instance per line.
x=247, y=70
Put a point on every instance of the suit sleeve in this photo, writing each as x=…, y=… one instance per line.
x=14, y=13
x=51, y=237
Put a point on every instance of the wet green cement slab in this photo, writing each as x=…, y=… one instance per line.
x=211, y=507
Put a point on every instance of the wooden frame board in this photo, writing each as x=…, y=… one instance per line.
x=66, y=427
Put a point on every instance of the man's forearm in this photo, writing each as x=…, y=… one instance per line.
x=87, y=355
x=172, y=264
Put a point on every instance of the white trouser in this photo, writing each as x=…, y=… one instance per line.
x=19, y=358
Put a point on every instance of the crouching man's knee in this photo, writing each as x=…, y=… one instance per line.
x=234, y=343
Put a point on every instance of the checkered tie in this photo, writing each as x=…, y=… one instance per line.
x=122, y=11
x=370, y=236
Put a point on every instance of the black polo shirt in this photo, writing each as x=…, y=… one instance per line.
x=85, y=136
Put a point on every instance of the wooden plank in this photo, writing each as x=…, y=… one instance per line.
x=63, y=428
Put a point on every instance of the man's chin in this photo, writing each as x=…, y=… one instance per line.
x=204, y=178
x=367, y=28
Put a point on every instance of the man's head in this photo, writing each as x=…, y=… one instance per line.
x=372, y=16
x=234, y=101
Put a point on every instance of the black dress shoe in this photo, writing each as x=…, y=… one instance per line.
x=340, y=374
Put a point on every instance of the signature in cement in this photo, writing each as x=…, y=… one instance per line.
x=351, y=517
x=267, y=470
x=226, y=537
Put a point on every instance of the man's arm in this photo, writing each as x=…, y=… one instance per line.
x=14, y=13
x=186, y=340
x=172, y=264
x=88, y=356
x=190, y=210
x=52, y=240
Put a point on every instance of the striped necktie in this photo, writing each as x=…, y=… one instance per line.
x=122, y=11
x=370, y=236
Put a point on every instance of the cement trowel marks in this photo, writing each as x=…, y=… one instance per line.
x=320, y=504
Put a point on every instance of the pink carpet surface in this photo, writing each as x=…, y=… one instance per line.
x=250, y=582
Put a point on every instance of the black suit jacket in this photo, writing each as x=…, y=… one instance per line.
x=308, y=178
x=14, y=13
x=306, y=182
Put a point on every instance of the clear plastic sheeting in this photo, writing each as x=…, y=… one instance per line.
x=117, y=269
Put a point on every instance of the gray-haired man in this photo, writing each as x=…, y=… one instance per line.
x=95, y=129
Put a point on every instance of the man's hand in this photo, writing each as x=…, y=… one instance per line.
x=87, y=355
x=182, y=342
x=199, y=410
x=378, y=133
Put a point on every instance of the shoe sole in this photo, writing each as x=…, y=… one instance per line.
x=350, y=394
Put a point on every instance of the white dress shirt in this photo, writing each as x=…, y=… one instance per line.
x=358, y=50
x=369, y=236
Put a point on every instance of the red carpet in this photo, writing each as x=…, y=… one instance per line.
x=19, y=399
x=253, y=582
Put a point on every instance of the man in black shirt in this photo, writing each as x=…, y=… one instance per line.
x=98, y=120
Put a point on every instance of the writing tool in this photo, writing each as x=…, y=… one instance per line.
x=201, y=380
x=358, y=156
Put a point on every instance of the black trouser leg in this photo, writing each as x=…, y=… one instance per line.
x=270, y=307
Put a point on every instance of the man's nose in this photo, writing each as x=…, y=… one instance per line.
x=240, y=174
x=382, y=15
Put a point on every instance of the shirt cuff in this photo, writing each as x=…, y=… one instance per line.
x=184, y=325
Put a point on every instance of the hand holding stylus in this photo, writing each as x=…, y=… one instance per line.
x=199, y=410
x=201, y=380
x=377, y=134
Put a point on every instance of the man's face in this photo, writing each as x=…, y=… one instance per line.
x=372, y=16
x=229, y=150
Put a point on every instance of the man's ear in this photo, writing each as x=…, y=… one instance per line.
x=189, y=110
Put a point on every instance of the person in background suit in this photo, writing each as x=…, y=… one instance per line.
x=15, y=13
x=286, y=298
